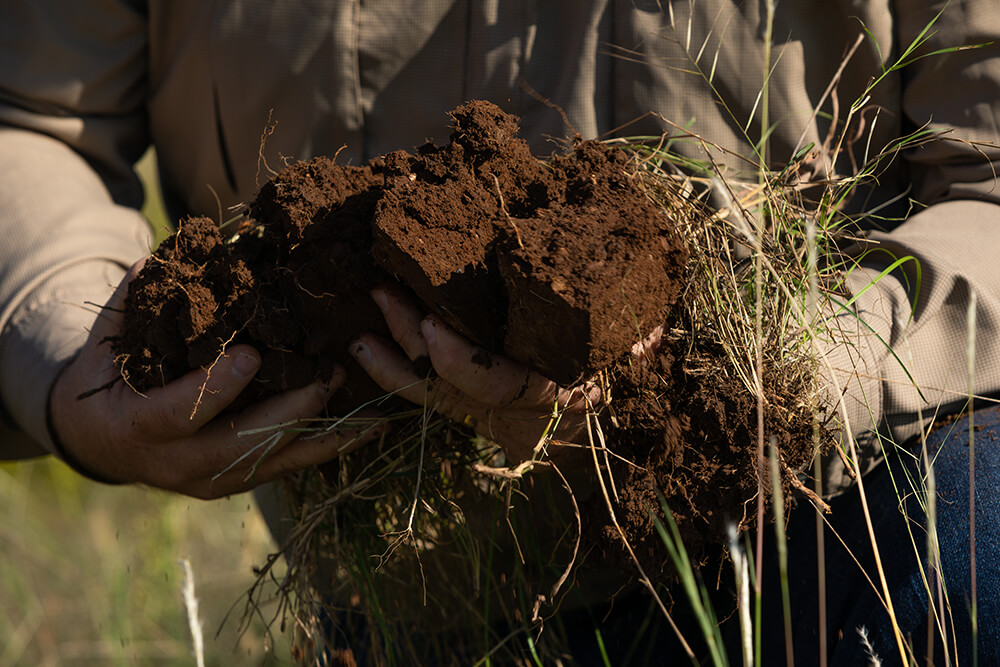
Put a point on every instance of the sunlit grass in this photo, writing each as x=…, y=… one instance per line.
x=90, y=573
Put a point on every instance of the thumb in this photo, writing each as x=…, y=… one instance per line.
x=183, y=406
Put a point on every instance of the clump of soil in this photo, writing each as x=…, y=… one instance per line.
x=283, y=285
x=562, y=265
x=695, y=439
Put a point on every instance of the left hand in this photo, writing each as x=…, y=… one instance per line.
x=508, y=403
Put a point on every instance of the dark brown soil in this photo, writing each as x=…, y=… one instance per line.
x=694, y=437
x=562, y=266
x=283, y=286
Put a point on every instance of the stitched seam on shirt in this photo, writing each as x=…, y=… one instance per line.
x=227, y=165
x=355, y=42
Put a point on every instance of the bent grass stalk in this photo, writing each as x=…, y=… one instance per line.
x=742, y=575
x=191, y=607
x=971, y=357
x=812, y=313
x=782, y=542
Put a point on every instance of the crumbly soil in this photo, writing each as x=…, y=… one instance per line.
x=561, y=265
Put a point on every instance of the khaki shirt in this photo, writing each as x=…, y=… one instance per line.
x=226, y=91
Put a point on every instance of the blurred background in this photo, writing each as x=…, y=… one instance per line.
x=90, y=574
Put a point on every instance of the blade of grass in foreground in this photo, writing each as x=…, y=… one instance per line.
x=782, y=541
x=742, y=573
x=971, y=357
x=695, y=592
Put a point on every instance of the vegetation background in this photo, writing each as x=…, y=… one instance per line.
x=90, y=574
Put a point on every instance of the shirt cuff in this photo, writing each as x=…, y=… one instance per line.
x=43, y=334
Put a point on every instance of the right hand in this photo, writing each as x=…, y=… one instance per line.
x=174, y=437
x=509, y=403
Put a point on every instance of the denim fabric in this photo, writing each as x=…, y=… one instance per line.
x=852, y=602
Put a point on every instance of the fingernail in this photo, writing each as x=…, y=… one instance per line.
x=245, y=365
x=427, y=327
x=380, y=299
x=361, y=352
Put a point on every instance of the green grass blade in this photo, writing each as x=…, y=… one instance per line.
x=781, y=538
x=695, y=592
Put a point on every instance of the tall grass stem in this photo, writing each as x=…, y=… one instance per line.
x=191, y=607
x=971, y=359
x=778, y=501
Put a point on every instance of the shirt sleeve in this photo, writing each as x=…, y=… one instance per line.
x=904, y=361
x=72, y=123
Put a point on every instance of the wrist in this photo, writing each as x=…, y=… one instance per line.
x=59, y=445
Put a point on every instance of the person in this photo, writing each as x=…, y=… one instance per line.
x=86, y=87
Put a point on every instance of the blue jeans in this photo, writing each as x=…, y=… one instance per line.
x=852, y=602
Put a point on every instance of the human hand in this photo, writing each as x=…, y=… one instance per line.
x=508, y=403
x=174, y=437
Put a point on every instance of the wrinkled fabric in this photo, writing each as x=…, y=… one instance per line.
x=228, y=92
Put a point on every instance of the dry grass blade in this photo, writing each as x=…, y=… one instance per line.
x=191, y=607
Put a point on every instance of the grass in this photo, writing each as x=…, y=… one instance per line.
x=773, y=207
x=91, y=573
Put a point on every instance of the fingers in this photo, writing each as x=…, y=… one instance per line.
x=490, y=379
x=175, y=437
x=648, y=346
x=315, y=449
x=403, y=317
x=508, y=403
x=393, y=372
x=477, y=378
x=183, y=406
x=278, y=413
x=390, y=369
x=494, y=380
x=233, y=455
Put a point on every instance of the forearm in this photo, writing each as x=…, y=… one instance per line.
x=897, y=367
x=66, y=245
